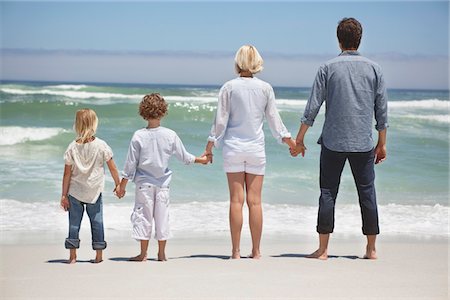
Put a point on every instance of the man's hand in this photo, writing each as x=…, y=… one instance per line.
x=380, y=153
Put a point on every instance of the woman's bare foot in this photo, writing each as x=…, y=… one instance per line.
x=162, y=257
x=319, y=254
x=236, y=254
x=140, y=257
x=255, y=254
x=370, y=253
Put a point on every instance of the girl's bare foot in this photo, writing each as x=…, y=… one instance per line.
x=72, y=260
x=98, y=258
x=370, y=253
x=140, y=257
x=236, y=254
x=319, y=254
x=162, y=257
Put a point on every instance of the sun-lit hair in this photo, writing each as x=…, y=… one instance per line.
x=153, y=106
x=248, y=59
x=86, y=123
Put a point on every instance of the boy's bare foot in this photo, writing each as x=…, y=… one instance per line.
x=162, y=257
x=236, y=254
x=72, y=260
x=319, y=254
x=370, y=253
x=140, y=257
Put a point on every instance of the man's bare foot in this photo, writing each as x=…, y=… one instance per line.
x=162, y=257
x=72, y=260
x=370, y=254
x=319, y=254
x=140, y=257
x=236, y=254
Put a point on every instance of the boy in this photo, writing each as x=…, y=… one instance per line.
x=147, y=165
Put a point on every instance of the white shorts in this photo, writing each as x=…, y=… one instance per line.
x=253, y=163
x=151, y=204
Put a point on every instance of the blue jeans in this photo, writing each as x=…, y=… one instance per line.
x=95, y=213
x=362, y=166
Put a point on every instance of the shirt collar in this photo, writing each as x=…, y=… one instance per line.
x=349, y=52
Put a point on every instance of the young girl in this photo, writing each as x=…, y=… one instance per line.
x=83, y=182
x=147, y=165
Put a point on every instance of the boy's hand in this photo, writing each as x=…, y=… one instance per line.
x=204, y=159
x=119, y=192
x=64, y=203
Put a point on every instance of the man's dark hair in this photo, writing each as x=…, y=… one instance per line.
x=349, y=32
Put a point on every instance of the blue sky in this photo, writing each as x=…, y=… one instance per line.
x=407, y=38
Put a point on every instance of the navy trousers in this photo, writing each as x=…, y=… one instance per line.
x=362, y=166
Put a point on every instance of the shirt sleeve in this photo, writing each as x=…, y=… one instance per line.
x=68, y=158
x=317, y=97
x=107, y=153
x=273, y=118
x=131, y=163
x=222, y=114
x=381, y=104
x=181, y=153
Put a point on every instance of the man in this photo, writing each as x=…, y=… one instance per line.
x=354, y=92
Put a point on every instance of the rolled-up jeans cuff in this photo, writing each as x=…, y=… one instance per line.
x=72, y=243
x=98, y=245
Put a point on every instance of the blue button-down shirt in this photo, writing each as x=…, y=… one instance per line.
x=353, y=89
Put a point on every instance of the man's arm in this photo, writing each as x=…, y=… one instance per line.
x=300, y=148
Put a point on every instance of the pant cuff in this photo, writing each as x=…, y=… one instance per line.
x=98, y=245
x=72, y=243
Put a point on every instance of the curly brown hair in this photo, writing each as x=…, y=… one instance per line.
x=349, y=33
x=153, y=106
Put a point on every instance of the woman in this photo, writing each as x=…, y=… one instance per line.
x=238, y=128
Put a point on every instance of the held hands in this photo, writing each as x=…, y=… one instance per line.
x=119, y=192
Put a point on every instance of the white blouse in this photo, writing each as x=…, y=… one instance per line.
x=88, y=173
x=243, y=104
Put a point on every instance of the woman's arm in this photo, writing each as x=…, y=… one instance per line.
x=279, y=131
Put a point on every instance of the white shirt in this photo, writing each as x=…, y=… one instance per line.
x=238, y=125
x=149, y=153
x=88, y=174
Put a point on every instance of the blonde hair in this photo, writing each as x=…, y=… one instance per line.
x=248, y=59
x=86, y=123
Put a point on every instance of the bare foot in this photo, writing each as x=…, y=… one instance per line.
x=319, y=254
x=97, y=260
x=370, y=254
x=140, y=257
x=72, y=260
x=255, y=255
x=235, y=254
x=162, y=257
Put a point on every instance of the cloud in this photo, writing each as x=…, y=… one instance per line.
x=191, y=67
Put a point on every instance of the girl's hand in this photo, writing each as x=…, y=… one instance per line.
x=64, y=203
x=119, y=192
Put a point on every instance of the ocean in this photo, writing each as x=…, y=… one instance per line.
x=36, y=127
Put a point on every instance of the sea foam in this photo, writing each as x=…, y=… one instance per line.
x=11, y=135
x=211, y=218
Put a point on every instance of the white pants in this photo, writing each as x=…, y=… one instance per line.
x=151, y=203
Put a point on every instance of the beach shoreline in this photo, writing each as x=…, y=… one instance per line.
x=199, y=268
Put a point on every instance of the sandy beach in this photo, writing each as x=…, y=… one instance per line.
x=200, y=269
